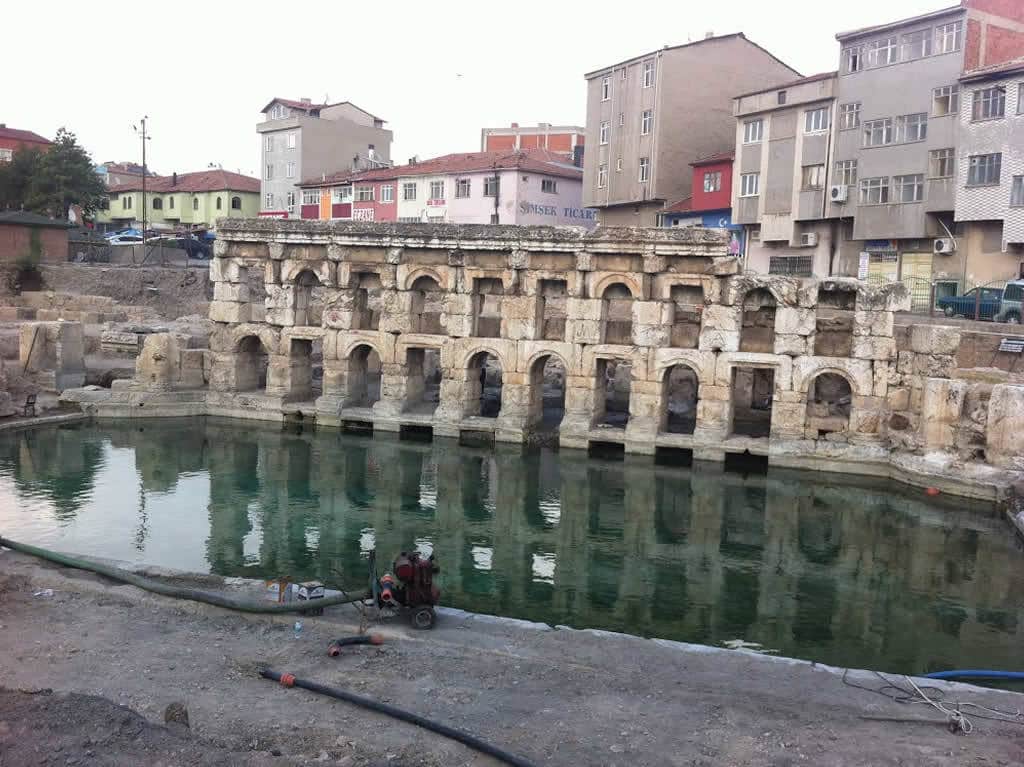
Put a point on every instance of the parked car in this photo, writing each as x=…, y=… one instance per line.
x=1011, y=308
x=987, y=304
x=124, y=233
x=125, y=239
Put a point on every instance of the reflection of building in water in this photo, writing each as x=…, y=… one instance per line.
x=843, y=573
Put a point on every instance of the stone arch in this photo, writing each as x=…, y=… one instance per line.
x=613, y=388
x=363, y=377
x=829, y=402
x=305, y=309
x=546, y=353
x=267, y=336
x=680, y=393
x=414, y=276
x=547, y=377
x=757, y=325
x=802, y=381
x=427, y=303
x=345, y=352
x=635, y=288
x=617, y=313
x=293, y=269
x=484, y=375
x=251, y=361
x=475, y=349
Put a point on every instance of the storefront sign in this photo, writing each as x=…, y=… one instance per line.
x=583, y=214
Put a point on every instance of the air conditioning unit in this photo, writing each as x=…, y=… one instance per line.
x=808, y=239
x=945, y=245
x=838, y=193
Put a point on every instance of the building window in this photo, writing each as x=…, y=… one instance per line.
x=409, y=190
x=849, y=116
x=941, y=163
x=492, y=185
x=749, y=183
x=883, y=52
x=289, y=200
x=753, y=131
x=387, y=193
x=602, y=176
x=289, y=170
x=437, y=190
x=846, y=172
x=646, y=121
x=878, y=132
x=793, y=266
x=278, y=112
x=236, y=203
x=549, y=185
x=916, y=45
x=989, y=103
x=645, y=170
x=874, y=191
x=853, y=59
x=6, y=155
x=1017, y=192
x=946, y=100
x=310, y=196
x=983, y=169
x=170, y=203
x=713, y=181
x=364, y=194
x=618, y=165
x=780, y=97
x=218, y=203
x=622, y=119
x=268, y=143
x=648, y=78
x=606, y=88
x=909, y=188
x=268, y=201
x=341, y=194
x=158, y=204
x=126, y=202
x=494, y=218
x=291, y=140
x=605, y=130
x=948, y=37
x=268, y=172
x=195, y=203
x=816, y=120
x=462, y=188
x=1020, y=99
x=911, y=128
x=812, y=177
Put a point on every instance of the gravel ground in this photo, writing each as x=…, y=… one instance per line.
x=89, y=671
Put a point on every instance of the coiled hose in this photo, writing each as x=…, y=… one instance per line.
x=288, y=680
x=179, y=592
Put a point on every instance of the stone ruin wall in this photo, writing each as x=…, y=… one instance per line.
x=432, y=307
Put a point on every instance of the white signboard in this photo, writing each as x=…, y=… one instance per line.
x=862, y=269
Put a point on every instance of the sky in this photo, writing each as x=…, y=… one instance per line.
x=436, y=71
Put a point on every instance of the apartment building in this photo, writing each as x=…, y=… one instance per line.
x=525, y=187
x=116, y=173
x=709, y=204
x=779, y=185
x=650, y=116
x=300, y=139
x=990, y=173
x=566, y=140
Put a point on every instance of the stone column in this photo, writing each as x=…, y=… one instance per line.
x=581, y=398
x=942, y=403
x=1005, y=443
x=230, y=291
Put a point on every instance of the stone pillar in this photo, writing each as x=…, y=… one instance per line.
x=1005, y=433
x=457, y=317
x=53, y=354
x=583, y=320
x=652, y=323
x=515, y=407
x=794, y=331
x=396, y=311
x=714, y=412
x=644, y=415
x=280, y=305
x=581, y=399
x=942, y=403
x=393, y=390
x=158, y=366
x=230, y=291
x=720, y=328
x=291, y=375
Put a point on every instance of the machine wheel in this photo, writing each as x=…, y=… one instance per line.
x=949, y=311
x=423, y=618
x=1013, y=319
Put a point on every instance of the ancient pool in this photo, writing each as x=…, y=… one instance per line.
x=834, y=569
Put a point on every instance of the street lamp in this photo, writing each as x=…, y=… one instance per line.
x=144, y=137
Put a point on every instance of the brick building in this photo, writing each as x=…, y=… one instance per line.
x=567, y=140
x=18, y=229
x=12, y=139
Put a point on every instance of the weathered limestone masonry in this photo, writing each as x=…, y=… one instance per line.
x=659, y=342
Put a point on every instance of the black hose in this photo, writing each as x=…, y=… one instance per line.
x=406, y=716
x=179, y=592
x=334, y=649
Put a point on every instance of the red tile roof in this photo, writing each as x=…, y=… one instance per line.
x=685, y=205
x=727, y=156
x=201, y=181
x=533, y=160
x=22, y=135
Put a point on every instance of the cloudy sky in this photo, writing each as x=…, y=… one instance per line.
x=436, y=71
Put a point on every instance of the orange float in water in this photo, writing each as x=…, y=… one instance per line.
x=932, y=491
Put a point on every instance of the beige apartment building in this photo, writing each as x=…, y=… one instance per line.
x=650, y=116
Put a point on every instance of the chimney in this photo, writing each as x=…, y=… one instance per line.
x=709, y=34
x=413, y=159
x=3, y=125
x=305, y=100
x=174, y=179
x=515, y=125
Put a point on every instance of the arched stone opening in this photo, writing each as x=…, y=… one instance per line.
x=833, y=325
x=611, y=400
x=427, y=305
x=617, y=310
x=364, y=372
x=687, y=310
x=422, y=380
x=367, y=301
x=757, y=333
x=300, y=385
x=483, y=385
x=680, y=390
x=308, y=310
x=487, y=307
x=251, y=359
x=829, y=399
x=547, y=393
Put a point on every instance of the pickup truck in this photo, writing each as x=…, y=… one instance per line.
x=964, y=306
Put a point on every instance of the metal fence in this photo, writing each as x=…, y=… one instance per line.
x=101, y=252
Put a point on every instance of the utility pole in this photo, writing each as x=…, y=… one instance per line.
x=144, y=137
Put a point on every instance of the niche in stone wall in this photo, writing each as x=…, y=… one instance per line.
x=487, y=307
x=251, y=365
x=553, y=296
x=679, y=395
x=829, y=398
x=422, y=380
x=427, y=305
x=308, y=299
x=364, y=372
x=757, y=333
x=611, y=397
x=687, y=310
x=617, y=311
x=367, y=301
x=833, y=333
x=547, y=393
x=483, y=384
x=752, y=395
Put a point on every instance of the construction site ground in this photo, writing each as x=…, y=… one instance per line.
x=88, y=671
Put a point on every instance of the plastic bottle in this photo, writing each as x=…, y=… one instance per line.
x=297, y=629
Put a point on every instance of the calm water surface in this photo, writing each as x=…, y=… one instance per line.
x=815, y=566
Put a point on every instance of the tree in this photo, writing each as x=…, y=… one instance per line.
x=49, y=182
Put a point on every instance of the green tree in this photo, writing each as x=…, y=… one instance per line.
x=49, y=182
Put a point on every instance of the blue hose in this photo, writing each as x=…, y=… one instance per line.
x=976, y=674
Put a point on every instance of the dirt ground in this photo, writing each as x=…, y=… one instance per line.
x=88, y=672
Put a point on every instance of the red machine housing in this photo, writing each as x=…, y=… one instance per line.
x=416, y=576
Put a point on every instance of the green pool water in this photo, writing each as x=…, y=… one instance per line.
x=839, y=570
